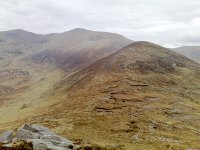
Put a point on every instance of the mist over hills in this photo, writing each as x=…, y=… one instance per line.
x=69, y=50
x=100, y=87
x=192, y=52
x=79, y=47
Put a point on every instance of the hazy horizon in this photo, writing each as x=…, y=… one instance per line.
x=171, y=24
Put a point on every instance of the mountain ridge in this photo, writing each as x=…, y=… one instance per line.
x=192, y=52
x=144, y=60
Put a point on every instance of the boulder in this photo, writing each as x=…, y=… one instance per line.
x=25, y=135
x=38, y=129
x=6, y=137
x=41, y=144
x=42, y=138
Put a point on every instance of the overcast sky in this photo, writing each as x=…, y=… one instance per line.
x=166, y=22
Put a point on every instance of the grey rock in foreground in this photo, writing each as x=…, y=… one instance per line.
x=6, y=137
x=41, y=138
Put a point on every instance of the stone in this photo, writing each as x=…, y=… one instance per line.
x=43, y=138
x=41, y=144
x=25, y=135
x=6, y=137
x=35, y=137
x=57, y=140
x=43, y=129
x=14, y=140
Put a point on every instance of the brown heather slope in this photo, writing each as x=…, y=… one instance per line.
x=143, y=96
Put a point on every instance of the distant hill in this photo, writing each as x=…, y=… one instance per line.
x=192, y=52
x=78, y=48
x=21, y=41
x=72, y=49
x=141, y=58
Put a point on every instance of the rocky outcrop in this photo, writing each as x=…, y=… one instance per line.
x=37, y=137
x=40, y=137
x=6, y=137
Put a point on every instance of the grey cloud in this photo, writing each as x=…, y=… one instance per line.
x=172, y=22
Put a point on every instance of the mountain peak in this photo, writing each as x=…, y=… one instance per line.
x=143, y=57
x=78, y=30
x=143, y=44
x=18, y=31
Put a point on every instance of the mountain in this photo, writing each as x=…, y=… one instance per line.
x=192, y=52
x=141, y=58
x=70, y=51
x=83, y=86
x=141, y=96
x=32, y=63
x=20, y=41
x=78, y=48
